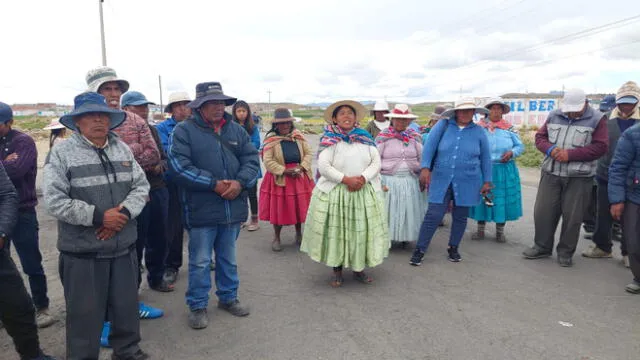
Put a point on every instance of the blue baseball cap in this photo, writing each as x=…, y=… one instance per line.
x=6, y=114
x=134, y=98
x=627, y=100
x=608, y=103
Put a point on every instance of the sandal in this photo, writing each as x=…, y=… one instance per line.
x=275, y=246
x=253, y=227
x=337, y=280
x=362, y=277
x=298, y=239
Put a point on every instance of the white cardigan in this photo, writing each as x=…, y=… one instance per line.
x=344, y=159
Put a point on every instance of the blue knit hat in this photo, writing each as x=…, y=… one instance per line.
x=91, y=102
x=6, y=114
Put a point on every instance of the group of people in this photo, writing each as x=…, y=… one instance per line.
x=124, y=190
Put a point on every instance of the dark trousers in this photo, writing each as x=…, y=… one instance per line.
x=589, y=221
x=92, y=288
x=253, y=199
x=16, y=309
x=433, y=219
x=560, y=197
x=604, y=222
x=25, y=239
x=175, y=229
x=157, y=245
x=631, y=234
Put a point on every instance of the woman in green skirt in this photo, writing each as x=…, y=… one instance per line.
x=346, y=224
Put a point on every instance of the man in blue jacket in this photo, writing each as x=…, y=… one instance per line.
x=214, y=162
x=624, y=197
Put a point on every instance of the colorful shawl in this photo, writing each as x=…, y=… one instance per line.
x=333, y=134
x=492, y=126
x=405, y=136
x=274, y=139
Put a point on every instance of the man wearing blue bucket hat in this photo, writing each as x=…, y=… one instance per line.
x=95, y=188
x=214, y=162
x=152, y=240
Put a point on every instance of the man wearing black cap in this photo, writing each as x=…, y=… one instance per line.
x=19, y=156
x=214, y=162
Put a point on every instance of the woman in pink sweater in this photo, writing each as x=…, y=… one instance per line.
x=400, y=149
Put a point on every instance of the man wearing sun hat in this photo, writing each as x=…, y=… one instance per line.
x=214, y=162
x=624, y=115
x=179, y=111
x=573, y=138
x=135, y=132
x=19, y=156
x=152, y=239
x=95, y=188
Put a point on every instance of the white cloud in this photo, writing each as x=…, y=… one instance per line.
x=407, y=50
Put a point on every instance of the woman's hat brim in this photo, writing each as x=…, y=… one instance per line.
x=53, y=127
x=283, y=120
x=400, y=116
x=505, y=107
x=450, y=112
x=361, y=111
x=197, y=103
x=116, y=117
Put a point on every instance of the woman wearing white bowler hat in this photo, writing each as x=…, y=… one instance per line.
x=379, y=122
x=58, y=132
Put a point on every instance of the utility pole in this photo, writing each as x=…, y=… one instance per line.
x=104, y=47
x=161, y=105
x=269, y=107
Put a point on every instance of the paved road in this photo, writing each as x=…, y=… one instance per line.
x=492, y=305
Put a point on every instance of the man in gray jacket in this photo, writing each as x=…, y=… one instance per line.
x=95, y=188
x=573, y=138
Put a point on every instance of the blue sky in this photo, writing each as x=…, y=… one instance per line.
x=315, y=51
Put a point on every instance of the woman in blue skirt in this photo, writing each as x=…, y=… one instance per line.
x=505, y=202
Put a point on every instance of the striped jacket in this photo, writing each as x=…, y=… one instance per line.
x=80, y=185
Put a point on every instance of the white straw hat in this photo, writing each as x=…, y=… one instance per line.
x=401, y=111
x=505, y=108
x=467, y=103
x=175, y=97
x=54, y=124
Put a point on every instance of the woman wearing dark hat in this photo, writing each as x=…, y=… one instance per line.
x=400, y=149
x=346, y=223
x=285, y=192
x=456, y=167
x=506, y=204
x=242, y=115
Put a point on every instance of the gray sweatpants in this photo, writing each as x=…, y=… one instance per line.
x=92, y=288
x=566, y=197
x=631, y=233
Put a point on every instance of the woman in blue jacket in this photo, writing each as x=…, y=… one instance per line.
x=456, y=166
x=505, y=144
x=242, y=115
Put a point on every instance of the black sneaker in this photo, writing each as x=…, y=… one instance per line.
x=416, y=258
x=170, y=276
x=139, y=355
x=454, y=255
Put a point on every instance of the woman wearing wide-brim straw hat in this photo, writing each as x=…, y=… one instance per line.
x=400, y=149
x=286, y=189
x=456, y=167
x=346, y=224
x=506, y=199
x=58, y=132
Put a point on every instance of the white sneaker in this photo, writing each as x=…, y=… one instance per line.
x=625, y=261
x=43, y=319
